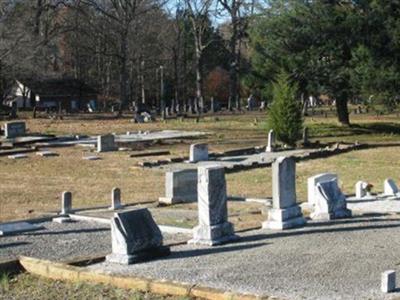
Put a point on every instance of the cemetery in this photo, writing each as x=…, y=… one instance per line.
x=301, y=223
x=199, y=149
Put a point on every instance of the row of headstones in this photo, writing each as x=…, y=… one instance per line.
x=135, y=235
x=389, y=189
x=66, y=201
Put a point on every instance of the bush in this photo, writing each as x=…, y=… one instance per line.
x=285, y=116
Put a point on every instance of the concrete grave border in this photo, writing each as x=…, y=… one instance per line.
x=70, y=272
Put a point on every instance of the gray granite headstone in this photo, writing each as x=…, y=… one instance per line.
x=66, y=203
x=213, y=227
x=312, y=185
x=330, y=202
x=180, y=186
x=198, y=152
x=285, y=212
x=14, y=129
x=106, y=143
x=115, y=199
x=271, y=141
x=135, y=237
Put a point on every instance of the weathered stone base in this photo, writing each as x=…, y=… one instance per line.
x=128, y=259
x=279, y=219
x=213, y=235
x=175, y=200
x=339, y=214
x=116, y=207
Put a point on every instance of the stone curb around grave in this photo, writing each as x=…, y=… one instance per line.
x=60, y=271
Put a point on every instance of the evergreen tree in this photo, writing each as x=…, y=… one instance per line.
x=285, y=116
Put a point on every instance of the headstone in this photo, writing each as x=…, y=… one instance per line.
x=106, y=143
x=305, y=136
x=388, y=281
x=312, y=185
x=14, y=129
x=66, y=203
x=212, y=105
x=330, y=202
x=180, y=186
x=135, y=237
x=285, y=212
x=271, y=141
x=361, y=189
x=213, y=227
x=17, y=227
x=390, y=188
x=115, y=199
x=198, y=152
x=62, y=220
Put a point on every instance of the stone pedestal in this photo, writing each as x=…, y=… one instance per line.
x=213, y=228
x=180, y=186
x=66, y=203
x=330, y=202
x=135, y=238
x=285, y=212
x=388, y=283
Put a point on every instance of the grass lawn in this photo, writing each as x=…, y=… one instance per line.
x=31, y=187
x=25, y=286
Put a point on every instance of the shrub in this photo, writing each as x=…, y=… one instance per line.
x=285, y=116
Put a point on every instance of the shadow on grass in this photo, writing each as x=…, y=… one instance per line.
x=332, y=130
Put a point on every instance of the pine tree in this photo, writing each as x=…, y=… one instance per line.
x=285, y=116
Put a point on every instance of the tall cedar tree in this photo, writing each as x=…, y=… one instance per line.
x=285, y=116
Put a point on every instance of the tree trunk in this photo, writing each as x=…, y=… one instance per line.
x=199, y=93
x=342, y=110
x=233, y=64
x=123, y=72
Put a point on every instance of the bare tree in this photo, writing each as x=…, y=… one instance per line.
x=198, y=13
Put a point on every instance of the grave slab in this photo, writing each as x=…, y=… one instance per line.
x=19, y=227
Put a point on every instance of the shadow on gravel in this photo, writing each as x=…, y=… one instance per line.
x=207, y=251
x=354, y=220
x=68, y=231
x=11, y=245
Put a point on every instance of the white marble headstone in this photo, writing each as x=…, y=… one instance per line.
x=285, y=212
x=390, y=187
x=330, y=202
x=312, y=185
x=213, y=228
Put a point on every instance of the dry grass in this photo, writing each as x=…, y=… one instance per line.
x=32, y=187
x=25, y=286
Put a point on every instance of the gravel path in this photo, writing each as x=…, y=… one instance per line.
x=63, y=242
x=340, y=260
